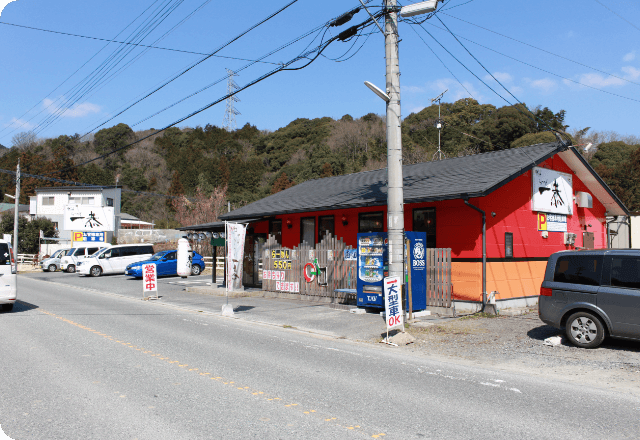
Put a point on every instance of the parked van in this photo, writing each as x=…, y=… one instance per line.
x=592, y=294
x=69, y=262
x=52, y=263
x=114, y=259
x=8, y=277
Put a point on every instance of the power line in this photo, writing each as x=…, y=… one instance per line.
x=543, y=50
x=199, y=61
x=618, y=15
x=128, y=43
x=541, y=69
x=310, y=55
x=118, y=56
x=76, y=71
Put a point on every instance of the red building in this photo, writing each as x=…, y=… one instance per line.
x=514, y=195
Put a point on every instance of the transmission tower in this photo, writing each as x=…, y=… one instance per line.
x=229, y=122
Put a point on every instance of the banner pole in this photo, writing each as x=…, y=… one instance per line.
x=226, y=257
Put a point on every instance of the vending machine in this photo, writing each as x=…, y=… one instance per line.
x=373, y=266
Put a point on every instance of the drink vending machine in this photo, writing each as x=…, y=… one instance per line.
x=372, y=267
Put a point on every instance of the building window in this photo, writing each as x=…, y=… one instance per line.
x=48, y=201
x=308, y=230
x=325, y=226
x=109, y=202
x=371, y=222
x=275, y=229
x=81, y=200
x=424, y=220
x=508, y=244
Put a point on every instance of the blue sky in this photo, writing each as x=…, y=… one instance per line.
x=34, y=63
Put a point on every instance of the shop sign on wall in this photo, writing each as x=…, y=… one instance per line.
x=90, y=236
x=552, y=222
x=88, y=218
x=552, y=192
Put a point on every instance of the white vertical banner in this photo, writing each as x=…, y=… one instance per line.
x=149, y=279
x=235, y=255
x=393, y=302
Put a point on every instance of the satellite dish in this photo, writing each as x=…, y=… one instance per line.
x=215, y=235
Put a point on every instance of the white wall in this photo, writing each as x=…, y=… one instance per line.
x=635, y=231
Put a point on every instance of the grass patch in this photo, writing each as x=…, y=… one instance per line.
x=287, y=326
x=477, y=316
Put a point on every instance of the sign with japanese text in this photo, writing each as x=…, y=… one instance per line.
x=149, y=279
x=552, y=192
x=89, y=236
x=350, y=254
x=235, y=234
x=552, y=222
x=393, y=302
x=88, y=218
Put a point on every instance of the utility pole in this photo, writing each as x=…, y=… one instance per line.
x=395, y=196
x=15, y=215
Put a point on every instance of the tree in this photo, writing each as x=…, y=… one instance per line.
x=202, y=208
x=281, y=183
x=24, y=140
x=28, y=231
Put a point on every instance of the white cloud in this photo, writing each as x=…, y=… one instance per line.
x=4, y=3
x=77, y=111
x=20, y=124
x=503, y=77
x=599, y=81
x=630, y=56
x=545, y=84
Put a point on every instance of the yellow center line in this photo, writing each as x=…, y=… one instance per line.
x=218, y=378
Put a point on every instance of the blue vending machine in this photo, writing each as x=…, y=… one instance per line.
x=373, y=266
x=417, y=254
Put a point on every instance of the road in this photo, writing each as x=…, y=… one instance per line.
x=83, y=364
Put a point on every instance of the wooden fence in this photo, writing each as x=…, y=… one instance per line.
x=286, y=267
x=439, y=285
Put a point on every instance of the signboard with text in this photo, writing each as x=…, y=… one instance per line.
x=552, y=191
x=393, y=302
x=149, y=279
x=552, y=222
x=89, y=236
x=88, y=218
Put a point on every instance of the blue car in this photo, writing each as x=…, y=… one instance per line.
x=166, y=263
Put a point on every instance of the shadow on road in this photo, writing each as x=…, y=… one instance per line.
x=22, y=306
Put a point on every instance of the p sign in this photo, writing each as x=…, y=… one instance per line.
x=542, y=221
x=393, y=302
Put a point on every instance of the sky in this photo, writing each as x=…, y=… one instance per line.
x=581, y=56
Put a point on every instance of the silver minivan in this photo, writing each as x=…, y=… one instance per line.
x=8, y=277
x=79, y=251
x=592, y=294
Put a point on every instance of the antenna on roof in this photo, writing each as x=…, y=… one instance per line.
x=439, y=124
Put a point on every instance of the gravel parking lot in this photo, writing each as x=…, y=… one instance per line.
x=515, y=343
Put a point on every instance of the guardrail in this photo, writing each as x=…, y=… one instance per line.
x=208, y=262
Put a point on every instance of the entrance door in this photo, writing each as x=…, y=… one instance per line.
x=252, y=267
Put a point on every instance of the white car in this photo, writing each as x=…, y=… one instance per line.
x=81, y=250
x=52, y=263
x=8, y=277
x=114, y=259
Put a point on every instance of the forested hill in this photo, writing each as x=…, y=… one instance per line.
x=253, y=163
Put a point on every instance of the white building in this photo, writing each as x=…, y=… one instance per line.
x=79, y=213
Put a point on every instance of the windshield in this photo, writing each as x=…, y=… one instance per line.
x=100, y=252
x=157, y=256
x=57, y=254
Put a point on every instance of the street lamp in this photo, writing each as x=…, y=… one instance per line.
x=418, y=8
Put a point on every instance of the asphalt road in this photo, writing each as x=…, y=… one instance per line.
x=80, y=363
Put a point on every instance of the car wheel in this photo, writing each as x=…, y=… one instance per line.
x=195, y=269
x=52, y=268
x=585, y=330
x=71, y=268
x=96, y=271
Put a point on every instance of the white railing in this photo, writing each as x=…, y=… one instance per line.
x=208, y=261
x=27, y=258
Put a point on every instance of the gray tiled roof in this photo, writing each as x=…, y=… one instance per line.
x=472, y=176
